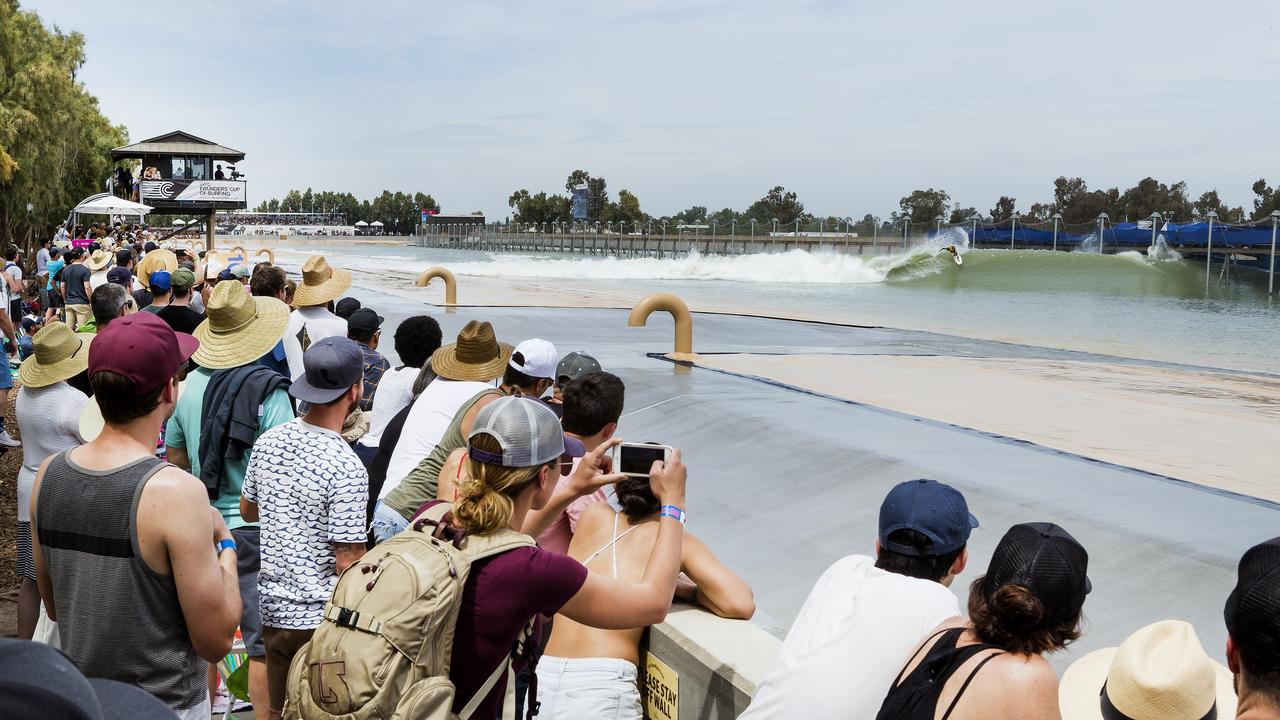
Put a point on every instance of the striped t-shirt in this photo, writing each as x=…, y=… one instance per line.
x=311, y=491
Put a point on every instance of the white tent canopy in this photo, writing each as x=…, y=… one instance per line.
x=179, y=222
x=376, y=223
x=361, y=223
x=108, y=204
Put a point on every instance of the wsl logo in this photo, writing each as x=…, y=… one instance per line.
x=157, y=190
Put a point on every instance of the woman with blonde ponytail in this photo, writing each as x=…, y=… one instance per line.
x=516, y=452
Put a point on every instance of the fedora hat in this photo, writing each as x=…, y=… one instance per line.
x=320, y=283
x=477, y=355
x=156, y=260
x=99, y=259
x=59, y=354
x=238, y=328
x=1158, y=673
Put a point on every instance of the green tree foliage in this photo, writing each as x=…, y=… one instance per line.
x=922, y=207
x=398, y=212
x=963, y=215
x=540, y=208
x=1267, y=200
x=627, y=209
x=779, y=204
x=55, y=144
x=1004, y=209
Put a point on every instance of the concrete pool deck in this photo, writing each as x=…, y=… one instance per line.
x=784, y=482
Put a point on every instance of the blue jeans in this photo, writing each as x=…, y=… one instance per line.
x=387, y=523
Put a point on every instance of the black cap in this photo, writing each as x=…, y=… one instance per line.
x=345, y=307
x=119, y=275
x=37, y=681
x=1046, y=560
x=150, y=246
x=1253, y=608
x=124, y=256
x=364, y=322
x=933, y=509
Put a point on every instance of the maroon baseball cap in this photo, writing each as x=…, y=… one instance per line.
x=143, y=348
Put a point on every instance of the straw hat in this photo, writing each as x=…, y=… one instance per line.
x=59, y=354
x=159, y=259
x=238, y=328
x=320, y=283
x=1158, y=673
x=99, y=260
x=476, y=356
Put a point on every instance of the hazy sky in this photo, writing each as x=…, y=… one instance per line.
x=851, y=104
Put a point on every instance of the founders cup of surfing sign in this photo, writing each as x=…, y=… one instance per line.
x=195, y=190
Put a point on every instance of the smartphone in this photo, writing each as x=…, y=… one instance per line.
x=636, y=459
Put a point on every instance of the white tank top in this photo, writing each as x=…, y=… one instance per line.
x=430, y=417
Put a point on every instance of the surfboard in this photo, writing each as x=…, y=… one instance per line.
x=959, y=260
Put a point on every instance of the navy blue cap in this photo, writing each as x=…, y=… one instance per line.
x=330, y=367
x=930, y=508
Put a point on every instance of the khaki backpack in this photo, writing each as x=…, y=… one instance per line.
x=383, y=649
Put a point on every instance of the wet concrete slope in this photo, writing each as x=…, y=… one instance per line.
x=783, y=482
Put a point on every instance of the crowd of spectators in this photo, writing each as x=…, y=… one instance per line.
x=211, y=457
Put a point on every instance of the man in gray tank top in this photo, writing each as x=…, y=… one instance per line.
x=137, y=569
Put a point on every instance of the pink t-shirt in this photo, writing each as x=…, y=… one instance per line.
x=559, y=533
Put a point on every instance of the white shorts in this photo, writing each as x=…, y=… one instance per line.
x=574, y=688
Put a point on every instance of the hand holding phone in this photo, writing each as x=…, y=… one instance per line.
x=637, y=459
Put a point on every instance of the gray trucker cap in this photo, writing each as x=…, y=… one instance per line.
x=575, y=365
x=528, y=431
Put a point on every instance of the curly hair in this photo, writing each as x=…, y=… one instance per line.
x=1014, y=618
x=417, y=338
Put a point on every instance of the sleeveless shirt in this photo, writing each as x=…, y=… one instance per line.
x=915, y=696
x=119, y=619
x=424, y=480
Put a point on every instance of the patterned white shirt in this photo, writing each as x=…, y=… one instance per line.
x=311, y=491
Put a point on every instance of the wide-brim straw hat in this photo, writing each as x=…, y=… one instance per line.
x=1160, y=672
x=159, y=259
x=92, y=422
x=60, y=353
x=238, y=328
x=477, y=355
x=320, y=283
x=99, y=260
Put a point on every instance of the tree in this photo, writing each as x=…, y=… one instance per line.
x=1150, y=196
x=777, y=204
x=540, y=208
x=627, y=210
x=922, y=207
x=963, y=215
x=55, y=143
x=1267, y=200
x=1210, y=202
x=1004, y=208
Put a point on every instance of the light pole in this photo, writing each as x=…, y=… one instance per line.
x=1013, y=228
x=938, y=230
x=1271, y=281
x=906, y=224
x=1208, y=258
x=1155, y=227
x=875, y=234
x=973, y=241
x=1102, y=229
x=753, y=227
x=1057, y=217
x=775, y=226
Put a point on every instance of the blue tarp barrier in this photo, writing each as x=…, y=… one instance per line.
x=1132, y=235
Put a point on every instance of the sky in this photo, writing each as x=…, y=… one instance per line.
x=701, y=102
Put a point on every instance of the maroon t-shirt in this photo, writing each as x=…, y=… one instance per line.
x=501, y=594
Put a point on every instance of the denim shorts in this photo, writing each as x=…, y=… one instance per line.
x=601, y=688
x=387, y=523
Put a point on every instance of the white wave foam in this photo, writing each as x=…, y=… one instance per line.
x=794, y=266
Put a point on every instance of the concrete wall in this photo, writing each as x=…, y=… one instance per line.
x=707, y=667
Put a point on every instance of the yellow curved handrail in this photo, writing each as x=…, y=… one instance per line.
x=271, y=254
x=666, y=302
x=450, y=283
x=239, y=250
x=194, y=244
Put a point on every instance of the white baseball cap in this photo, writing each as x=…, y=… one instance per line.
x=539, y=358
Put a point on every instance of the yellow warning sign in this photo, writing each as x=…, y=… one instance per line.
x=661, y=690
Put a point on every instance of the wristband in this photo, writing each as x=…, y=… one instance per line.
x=674, y=513
x=224, y=544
